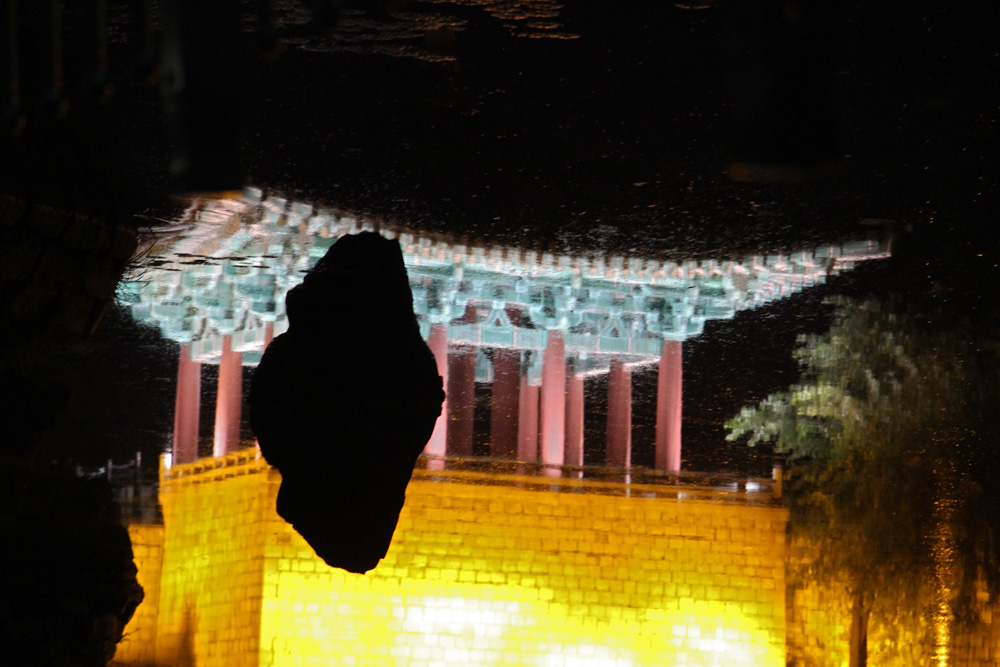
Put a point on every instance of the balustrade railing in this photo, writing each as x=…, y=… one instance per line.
x=135, y=488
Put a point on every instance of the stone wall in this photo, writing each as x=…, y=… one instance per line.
x=484, y=570
x=502, y=569
x=138, y=647
x=216, y=523
x=488, y=574
x=980, y=646
x=902, y=631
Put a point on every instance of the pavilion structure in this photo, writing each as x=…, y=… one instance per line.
x=532, y=324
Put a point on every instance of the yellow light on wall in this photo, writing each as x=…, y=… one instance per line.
x=477, y=575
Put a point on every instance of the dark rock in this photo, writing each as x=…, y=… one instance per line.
x=102, y=277
x=86, y=234
x=75, y=317
x=48, y=221
x=344, y=401
x=124, y=241
x=67, y=578
x=11, y=209
x=18, y=254
x=58, y=268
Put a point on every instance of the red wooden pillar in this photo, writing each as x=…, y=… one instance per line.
x=553, y=402
x=461, y=400
x=619, y=454
x=506, y=394
x=228, y=400
x=527, y=422
x=437, y=341
x=187, y=408
x=668, y=408
x=268, y=337
x=574, y=420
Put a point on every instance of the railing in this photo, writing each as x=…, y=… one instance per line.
x=135, y=488
x=629, y=482
x=246, y=461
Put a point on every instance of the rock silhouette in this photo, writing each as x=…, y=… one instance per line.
x=68, y=583
x=345, y=400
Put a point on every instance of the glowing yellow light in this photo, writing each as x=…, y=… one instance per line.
x=477, y=575
x=944, y=575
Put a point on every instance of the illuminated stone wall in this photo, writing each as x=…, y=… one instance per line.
x=499, y=575
x=217, y=521
x=818, y=620
x=484, y=570
x=901, y=632
x=138, y=647
x=980, y=646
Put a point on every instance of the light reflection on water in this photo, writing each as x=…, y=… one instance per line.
x=422, y=35
x=889, y=436
x=223, y=283
x=624, y=565
x=496, y=563
x=944, y=575
x=479, y=573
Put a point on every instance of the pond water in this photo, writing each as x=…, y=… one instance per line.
x=712, y=289
x=532, y=540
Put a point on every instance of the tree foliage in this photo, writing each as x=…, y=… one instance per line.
x=893, y=421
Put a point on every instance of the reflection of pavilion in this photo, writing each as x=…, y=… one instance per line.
x=531, y=324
